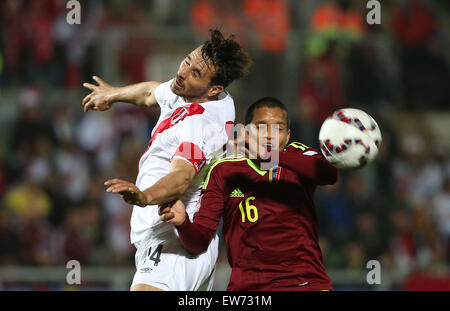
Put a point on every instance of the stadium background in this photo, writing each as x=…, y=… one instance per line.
x=316, y=56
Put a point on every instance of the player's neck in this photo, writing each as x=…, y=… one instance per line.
x=200, y=100
x=258, y=162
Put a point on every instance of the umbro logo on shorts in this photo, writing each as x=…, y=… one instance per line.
x=147, y=269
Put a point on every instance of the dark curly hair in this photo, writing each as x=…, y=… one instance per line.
x=228, y=58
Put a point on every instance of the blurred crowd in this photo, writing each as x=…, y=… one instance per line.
x=54, y=159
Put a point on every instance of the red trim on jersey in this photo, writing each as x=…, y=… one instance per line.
x=228, y=127
x=178, y=115
x=192, y=153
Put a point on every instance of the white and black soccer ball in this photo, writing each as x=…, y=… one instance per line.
x=350, y=138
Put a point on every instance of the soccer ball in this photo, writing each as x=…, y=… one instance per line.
x=349, y=138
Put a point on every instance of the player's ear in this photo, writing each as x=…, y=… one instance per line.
x=215, y=90
x=288, y=137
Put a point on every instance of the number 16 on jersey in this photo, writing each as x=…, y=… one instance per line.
x=250, y=212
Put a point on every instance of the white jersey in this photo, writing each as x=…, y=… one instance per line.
x=189, y=131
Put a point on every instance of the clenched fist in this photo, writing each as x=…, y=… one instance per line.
x=173, y=212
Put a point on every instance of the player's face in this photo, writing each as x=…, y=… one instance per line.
x=275, y=121
x=193, y=78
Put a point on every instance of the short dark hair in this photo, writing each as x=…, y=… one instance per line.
x=227, y=56
x=269, y=102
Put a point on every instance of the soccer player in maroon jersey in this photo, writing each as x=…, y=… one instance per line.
x=269, y=220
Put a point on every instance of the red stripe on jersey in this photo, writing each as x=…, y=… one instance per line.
x=228, y=127
x=178, y=115
x=192, y=153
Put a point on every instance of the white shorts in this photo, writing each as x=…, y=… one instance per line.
x=163, y=262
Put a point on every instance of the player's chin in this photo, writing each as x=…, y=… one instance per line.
x=176, y=89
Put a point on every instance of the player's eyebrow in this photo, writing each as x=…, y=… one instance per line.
x=189, y=57
x=197, y=71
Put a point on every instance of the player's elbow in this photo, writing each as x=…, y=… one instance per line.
x=333, y=175
x=198, y=250
x=196, y=246
x=328, y=173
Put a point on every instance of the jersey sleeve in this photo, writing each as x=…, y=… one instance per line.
x=199, y=140
x=308, y=163
x=164, y=95
x=196, y=236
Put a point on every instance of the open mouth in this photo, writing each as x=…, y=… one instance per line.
x=268, y=146
x=177, y=83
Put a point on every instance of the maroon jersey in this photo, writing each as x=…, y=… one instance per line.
x=269, y=221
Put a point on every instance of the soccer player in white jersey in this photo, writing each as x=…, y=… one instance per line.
x=196, y=113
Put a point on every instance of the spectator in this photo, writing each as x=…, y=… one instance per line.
x=30, y=124
x=72, y=165
x=10, y=241
x=28, y=200
x=440, y=211
x=320, y=90
x=402, y=241
x=413, y=26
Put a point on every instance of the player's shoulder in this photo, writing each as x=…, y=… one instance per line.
x=295, y=145
x=220, y=109
x=223, y=166
x=228, y=161
x=164, y=87
x=164, y=95
x=299, y=147
x=228, y=164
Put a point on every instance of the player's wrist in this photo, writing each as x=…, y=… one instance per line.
x=144, y=199
x=183, y=222
x=148, y=198
x=114, y=95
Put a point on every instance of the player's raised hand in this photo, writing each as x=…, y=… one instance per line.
x=173, y=212
x=128, y=191
x=255, y=147
x=101, y=96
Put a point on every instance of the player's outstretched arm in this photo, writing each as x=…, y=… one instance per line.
x=310, y=165
x=196, y=236
x=103, y=95
x=167, y=189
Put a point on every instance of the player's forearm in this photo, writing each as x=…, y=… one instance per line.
x=168, y=188
x=139, y=94
x=194, y=237
x=318, y=170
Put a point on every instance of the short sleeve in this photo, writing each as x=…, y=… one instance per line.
x=164, y=95
x=199, y=139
